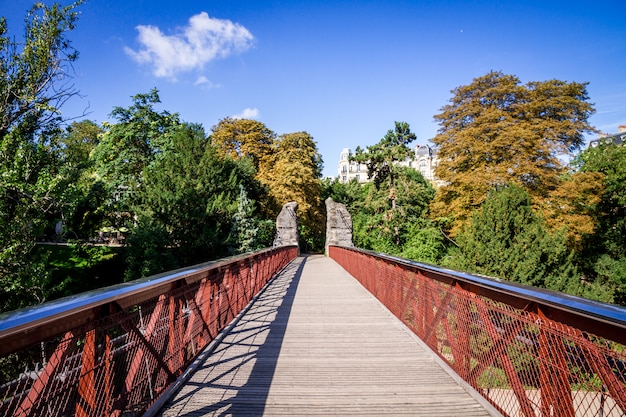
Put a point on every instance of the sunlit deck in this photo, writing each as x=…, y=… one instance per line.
x=315, y=342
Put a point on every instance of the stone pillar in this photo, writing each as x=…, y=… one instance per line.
x=338, y=225
x=287, y=226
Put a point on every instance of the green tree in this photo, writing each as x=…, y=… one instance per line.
x=83, y=197
x=78, y=142
x=507, y=239
x=245, y=229
x=604, y=254
x=189, y=197
x=382, y=161
x=379, y=226
x=34, y=84
x=126, y=149
x=496, y=131
x=130, y=145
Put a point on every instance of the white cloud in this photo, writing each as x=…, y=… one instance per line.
x=204, y=83
x=247, y=113
x=203, y=40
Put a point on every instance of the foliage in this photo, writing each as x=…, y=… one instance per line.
x=33, y=85
x=245, y=229
x=34, y=73
x=604, y=254
x=77, y=267
x=572, y=204
x=249, y=139
x=381, y=159
x=147, y=251
x=496, y=131
x=188, y=198
x=374, y=226
x=244, y=138
x=507, y=239
x=133, y=143
x=349, y=193
x=295, y=176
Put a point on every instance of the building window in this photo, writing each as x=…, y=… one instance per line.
x=344, y=178
x=358, y=177
x=344, y=168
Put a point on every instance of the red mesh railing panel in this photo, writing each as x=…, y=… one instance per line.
x=524, y=360
x=135, y=347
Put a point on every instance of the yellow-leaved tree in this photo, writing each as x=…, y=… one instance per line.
x=246, y=138
x=497, y=131
x=296, y=176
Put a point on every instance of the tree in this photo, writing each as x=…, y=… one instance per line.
x=496, y=131
x=78, y=142
x=34, y=76
x=245, y=228
x=244, y=138
x=127, y=148
x=604, y=253
x=188, y=197
x=249, y=139
x=83, y=198
x=382, y=159
x=130, y=145
x=571, y=206
x=380, y=227
x=507, y=239
x=295, y=176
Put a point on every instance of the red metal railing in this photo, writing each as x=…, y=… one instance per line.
x=528, y=352
x=113, y=352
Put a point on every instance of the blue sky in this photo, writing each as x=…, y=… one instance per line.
x=343, y=71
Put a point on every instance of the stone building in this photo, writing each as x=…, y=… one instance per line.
x=424, y=160
x=618, y=139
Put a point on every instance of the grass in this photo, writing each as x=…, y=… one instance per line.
x=79, y=268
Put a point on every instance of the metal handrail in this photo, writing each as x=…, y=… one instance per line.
x=567, y=308
x=27, y=318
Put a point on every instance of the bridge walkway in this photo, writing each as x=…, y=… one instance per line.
x=316, y=342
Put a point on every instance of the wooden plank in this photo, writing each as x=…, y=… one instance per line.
x=317, y=343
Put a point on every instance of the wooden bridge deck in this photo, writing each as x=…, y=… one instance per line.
x=317, y=343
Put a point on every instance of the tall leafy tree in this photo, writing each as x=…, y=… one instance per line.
x=496, y=131
x=295, y=176
x=34, y=84
x=130, y=145
x=379, y=227
x=244, y=138
x=604, y=253
x=249, y=139
x=382, y=159
x=127, y=148
x=506, y=239
x=189, y=197
x=83, y=197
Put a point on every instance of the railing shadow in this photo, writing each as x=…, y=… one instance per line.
x=244, y=363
